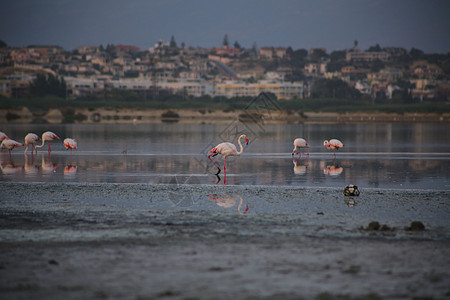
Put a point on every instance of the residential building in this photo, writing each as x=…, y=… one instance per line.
x=367, y=56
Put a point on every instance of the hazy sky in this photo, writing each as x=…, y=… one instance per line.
x=332, y=24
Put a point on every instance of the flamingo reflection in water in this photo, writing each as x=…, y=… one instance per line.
x=48, y=167
x=227, y=201
x=226, y=149
x=9, y=168
x=300, y=168
x=333, y=170
x=70, y=170
x=30, y=168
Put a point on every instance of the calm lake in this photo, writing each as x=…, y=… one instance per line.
x=376, y=155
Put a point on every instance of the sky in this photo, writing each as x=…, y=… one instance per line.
x=330, y=24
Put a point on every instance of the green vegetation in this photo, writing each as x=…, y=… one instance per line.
x=323, y=104
x=327, y=95
x=45, y=85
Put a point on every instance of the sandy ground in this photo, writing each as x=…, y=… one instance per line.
x=138, y=241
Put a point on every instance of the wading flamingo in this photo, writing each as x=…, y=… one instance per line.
x=30, y=139
x=298, y=145
x=333, y=144
x=48, y=136
x=70, y=144
x=226, y=149
x=10, y=144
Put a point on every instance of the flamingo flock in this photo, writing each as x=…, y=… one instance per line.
x=31, y=139
x=228, y=149
x=224, y=149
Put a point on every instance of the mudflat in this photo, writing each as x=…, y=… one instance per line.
x=180, y=241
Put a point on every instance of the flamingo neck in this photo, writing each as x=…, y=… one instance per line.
x=40, y=146
x=241, y=148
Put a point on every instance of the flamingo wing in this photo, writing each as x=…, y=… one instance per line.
x=226, y=149
x=70, y=144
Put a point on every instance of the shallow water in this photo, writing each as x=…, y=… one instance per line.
x=377, y=155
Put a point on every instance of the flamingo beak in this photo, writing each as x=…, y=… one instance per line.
x=246, y=139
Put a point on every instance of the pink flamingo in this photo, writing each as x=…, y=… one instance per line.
x=333, y=144
x=31, y=139
x=227, y=149
x=47, y=136
x=298, y=144
x=70, y=144
x=10, y=144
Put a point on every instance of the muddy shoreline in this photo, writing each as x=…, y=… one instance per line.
x=140, y=241
x=125, y=115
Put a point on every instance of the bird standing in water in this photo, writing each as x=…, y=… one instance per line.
x=30, y=139
x=70, y=144
x=10, y=144
x=227, y=149
x=298, y=144
x=48, y=136
x=333, y=144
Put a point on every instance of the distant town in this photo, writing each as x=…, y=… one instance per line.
x=378, y=74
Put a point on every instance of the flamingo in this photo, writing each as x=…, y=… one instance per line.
x=333, y=144
x=227, y=149
x=70, y=144
x=30, y=139
x=298, y=144
x=10, y=144
x=47, y=136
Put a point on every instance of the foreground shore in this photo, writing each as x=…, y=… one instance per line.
x=139, y=241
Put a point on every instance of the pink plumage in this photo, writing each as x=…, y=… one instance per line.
x=333, y=144
x=10, y=144
x=31, y=139
x=47, y=137
x=226, y=149
x=298, y=144
x=70, y=144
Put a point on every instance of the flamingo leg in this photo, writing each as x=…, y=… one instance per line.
x=209, y=156
x=49, y=149
x=27, y=149
x=225, y=170
x=34, y=147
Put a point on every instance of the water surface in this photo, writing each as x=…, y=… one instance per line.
x=377, y=155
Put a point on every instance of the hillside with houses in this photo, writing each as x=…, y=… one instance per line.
x=375, y=75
